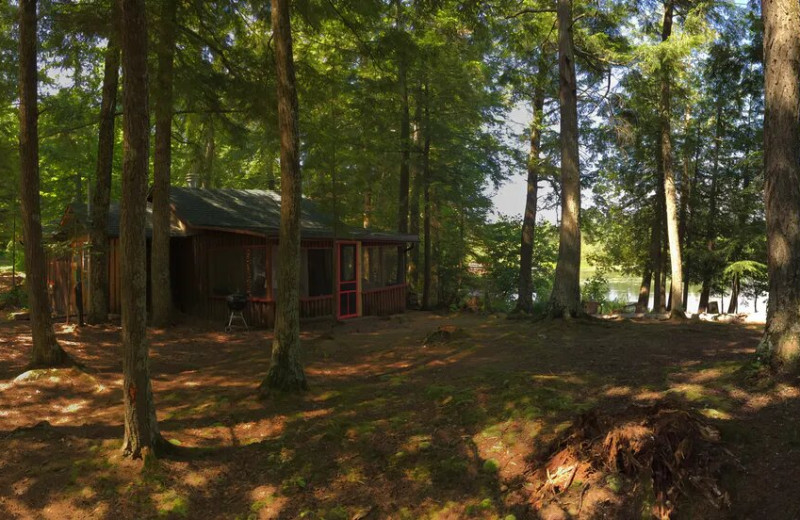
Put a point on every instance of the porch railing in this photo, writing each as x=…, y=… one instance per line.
x=384, y=300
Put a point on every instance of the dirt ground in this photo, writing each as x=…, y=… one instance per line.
x=391, y=428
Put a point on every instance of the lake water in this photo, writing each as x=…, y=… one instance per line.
x=624, y=288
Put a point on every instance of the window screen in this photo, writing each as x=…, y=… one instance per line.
x=320, y=272
x=390, y=260
x=347, y=267
x=258, y=272
x=226, y=271
x=379, y=266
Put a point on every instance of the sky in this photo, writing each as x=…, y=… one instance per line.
x=509, y=199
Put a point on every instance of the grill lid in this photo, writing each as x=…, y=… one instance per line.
x=236, y=301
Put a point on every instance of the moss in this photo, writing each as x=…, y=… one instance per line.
x=491, y=466
x=336, y=513
x=614, y=482
x=171, y=503
x=258, y=505
x=437, y=392
x=293, y=484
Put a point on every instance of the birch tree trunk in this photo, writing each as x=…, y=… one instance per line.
x=565, y=300
x=159, y=254
x=780, y=345
x=46, y=350
x=285, y=371
x=141, y=429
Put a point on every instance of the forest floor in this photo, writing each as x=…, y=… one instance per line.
x=391, y=428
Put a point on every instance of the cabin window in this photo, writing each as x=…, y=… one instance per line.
x=238, y=269
x=316, y=272
x=379, y=266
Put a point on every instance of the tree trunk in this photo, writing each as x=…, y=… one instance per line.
x=525, y=289
x=413, y=205
x=670, y=192
x=655, y=248
x=405, y=159
x=161, y=289
x=209, y=152
x=733, y=305
x=705, y=296
x=426, y=218
x=141, y=429
x=711, y=229
x=662, y=303
x=285, y=371
x=686, y=193
x=405, y=129
x=780, y=345
x=46, y=350
x=644, y=291
x=366, y=215
x=688, y=237
x=566, y=298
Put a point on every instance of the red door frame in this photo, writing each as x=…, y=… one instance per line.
x=354, y=282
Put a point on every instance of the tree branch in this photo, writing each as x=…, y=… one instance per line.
x=529, y=10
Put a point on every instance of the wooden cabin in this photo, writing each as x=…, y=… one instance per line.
x=225, y=241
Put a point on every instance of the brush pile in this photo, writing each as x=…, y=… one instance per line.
x=643, y=461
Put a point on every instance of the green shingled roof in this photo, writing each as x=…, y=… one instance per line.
x=252, y=211
x=258, y=211
x=76, y=215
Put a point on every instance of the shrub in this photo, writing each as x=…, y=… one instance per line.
x=595, y=289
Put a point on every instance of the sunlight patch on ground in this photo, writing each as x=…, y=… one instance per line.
x=266, y=502
x=648, y=395
x=171, y=502
x=561, y=378
x=713, y=413
x=618, y=391
x=72, y=407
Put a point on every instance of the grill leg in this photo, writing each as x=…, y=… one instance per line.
x=239, y=315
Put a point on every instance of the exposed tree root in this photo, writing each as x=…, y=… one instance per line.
x=639, y=462
x=283, y=380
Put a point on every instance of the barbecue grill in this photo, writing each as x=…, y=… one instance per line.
x=236, y=304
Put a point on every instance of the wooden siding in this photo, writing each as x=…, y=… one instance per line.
x=191, y=284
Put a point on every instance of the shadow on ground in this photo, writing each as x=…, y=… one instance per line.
x=390, y=429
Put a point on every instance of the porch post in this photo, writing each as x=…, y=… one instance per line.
x=358, y=278
x=335, y=305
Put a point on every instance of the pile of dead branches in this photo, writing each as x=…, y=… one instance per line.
x=638, y=461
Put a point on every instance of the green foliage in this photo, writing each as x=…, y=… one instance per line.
x=17, y=256
x=746, y=268
x=498, y=252
x=595, y=289
x=464, y=69
x=15, y=297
